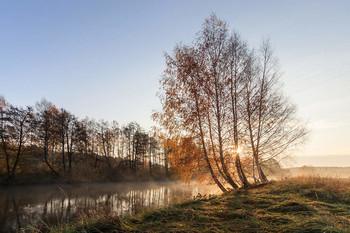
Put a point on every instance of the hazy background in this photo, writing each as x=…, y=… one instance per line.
x=103, y=59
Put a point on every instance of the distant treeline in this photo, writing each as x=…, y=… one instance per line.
x=45, y=142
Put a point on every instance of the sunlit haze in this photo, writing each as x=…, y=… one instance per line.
x=104, y=59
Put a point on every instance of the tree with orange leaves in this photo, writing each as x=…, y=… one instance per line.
x=217, y=94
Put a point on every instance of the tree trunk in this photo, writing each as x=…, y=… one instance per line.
x=63, y=156
x=150, y=158
x=18, y=151
x=46, y=151
x=216, y=180
x=4, y=147
x=240, y=172
x=214, y=153
x=262, y=175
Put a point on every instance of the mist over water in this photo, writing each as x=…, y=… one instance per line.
x=53, y=204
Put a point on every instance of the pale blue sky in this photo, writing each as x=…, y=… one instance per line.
x=103, y=59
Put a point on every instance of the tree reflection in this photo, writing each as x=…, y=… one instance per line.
x=47, y=206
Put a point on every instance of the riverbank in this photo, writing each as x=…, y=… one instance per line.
x=55, y=204
x=293, y=205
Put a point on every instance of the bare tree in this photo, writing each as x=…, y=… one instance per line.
x=15, y=128
x=46, y=130
x=271, y=121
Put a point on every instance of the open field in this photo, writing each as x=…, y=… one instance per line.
x=303, y=204
x=335, y=172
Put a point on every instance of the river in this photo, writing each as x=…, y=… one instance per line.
x=53, y=204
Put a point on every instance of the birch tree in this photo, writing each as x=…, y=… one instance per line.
x=222, y=96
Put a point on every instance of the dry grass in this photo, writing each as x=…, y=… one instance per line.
x=328, y=183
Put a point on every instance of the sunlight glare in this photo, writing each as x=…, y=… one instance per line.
x=239, y=149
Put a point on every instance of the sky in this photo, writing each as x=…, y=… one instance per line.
x=104, y=59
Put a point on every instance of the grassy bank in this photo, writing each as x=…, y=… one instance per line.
x=294, y=205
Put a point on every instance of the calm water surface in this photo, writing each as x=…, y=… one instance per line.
x=52, y=204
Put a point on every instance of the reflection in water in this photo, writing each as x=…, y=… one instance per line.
x=52, y=204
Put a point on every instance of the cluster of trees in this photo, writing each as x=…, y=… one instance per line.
x=223, y=110
x=224, y=117
x=45, y=139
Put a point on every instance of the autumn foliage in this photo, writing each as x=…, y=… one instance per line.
x=223, y=112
